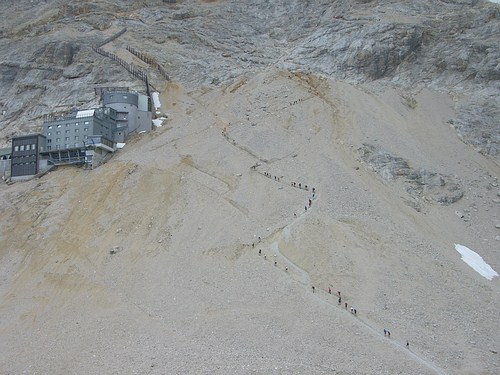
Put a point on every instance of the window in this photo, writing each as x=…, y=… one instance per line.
x=67, y=131
x=124, y=96
x=49, y=133
x=21, y=148
x=49, y=140
x=86, y=122
x=66, y=138
x=59, y=125
x=49, y=148
x=66, y=145
x=67, y=125
x=58, y=139
x=58, y=147
x=50, y=127
x=85, y=137
x=85, y=129
x=76, y=138
x=76, y=124
x=16, y=148
x=58, y=132
x=33, y=146
x=76, y=130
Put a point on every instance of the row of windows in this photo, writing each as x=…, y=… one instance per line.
x=25, y=147
x=67, y=125
x=67, y=131
x=66, y=139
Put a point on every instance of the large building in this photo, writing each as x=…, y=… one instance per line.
x=84, y=137
x=73, y=131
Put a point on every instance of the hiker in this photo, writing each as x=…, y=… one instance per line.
x=407, y=344
x=388, y=334
x=294, y=215
x=275, y=263
x=385, y=332
x=329, y=290
x=286, y=269
x=305, y=208
x=314, y=190
x=300, y=185
x=340, y=300
x=313, y=288
x=346, y=305
x=338, y=293
x=310, y=202
x=352, y=310
x=260, y=251
x=355, y=312
x=253, y=245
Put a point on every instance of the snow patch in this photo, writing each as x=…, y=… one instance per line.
x=156, y=100
x=157, y=122
x=475, y=261
x=120, y=145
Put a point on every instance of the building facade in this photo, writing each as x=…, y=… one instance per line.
x=72, y=132
x=132, y=112
x=26, y=159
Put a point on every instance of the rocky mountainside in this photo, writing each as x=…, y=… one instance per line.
x=48, y=64
x=321, y=165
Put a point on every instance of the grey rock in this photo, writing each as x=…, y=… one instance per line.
x=419, y=182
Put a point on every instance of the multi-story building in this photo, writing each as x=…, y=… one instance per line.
x=73, y=131
x=83, y=137
x=132, y=112
x=26, y=160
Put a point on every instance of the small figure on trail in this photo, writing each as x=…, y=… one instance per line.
x=385, y=332
x=388, y=334
x=407, y=344
x=260, y=251
x=305, y=208
x=286, y=269
x=310, y=202
x=300, y=185
x=265, y=256
x=340, y=300
x=253, y=245
x=313, y=288
x=294, y=215
x=275, y=263
x=352, y=310
x=345, y=305
x=329, y=290
x=355, y=312
x=338, y=293
x=305, y=187
x=314, y=190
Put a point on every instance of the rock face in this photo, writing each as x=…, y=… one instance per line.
x=419, y=183
x=448, y=45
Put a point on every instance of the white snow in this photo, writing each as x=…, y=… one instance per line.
x=475, y=261
x=157, y=122
x=120, y=145
x=156, y=100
